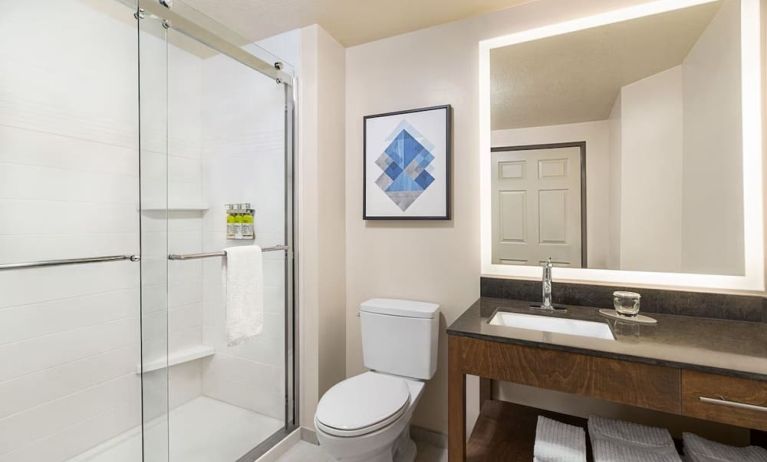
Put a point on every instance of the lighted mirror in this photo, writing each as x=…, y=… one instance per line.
x=626, y=144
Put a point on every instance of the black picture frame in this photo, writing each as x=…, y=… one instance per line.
x=448, y=164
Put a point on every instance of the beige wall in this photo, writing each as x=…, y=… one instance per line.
x=614, y=254
x=712, y=221
x=435, y=261
x=763, y=4
x=321, y=258
x=651, y=170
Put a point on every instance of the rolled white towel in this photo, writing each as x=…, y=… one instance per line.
x=619, y=441
x=698, y=449
x=558, y=442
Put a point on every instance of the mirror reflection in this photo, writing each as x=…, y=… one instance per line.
x=619, y=147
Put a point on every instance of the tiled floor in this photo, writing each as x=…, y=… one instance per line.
x=305, y=452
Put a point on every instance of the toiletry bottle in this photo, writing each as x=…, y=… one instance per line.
x=247, y=222
x=230, y=231
x=237, y=222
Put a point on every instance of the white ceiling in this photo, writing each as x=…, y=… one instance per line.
x=576, y=77
x=351, y=22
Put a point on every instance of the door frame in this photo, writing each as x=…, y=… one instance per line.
x=571, y=144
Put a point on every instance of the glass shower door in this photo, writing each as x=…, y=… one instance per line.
x=153, y=91
x=215, y=139
x=69, y=292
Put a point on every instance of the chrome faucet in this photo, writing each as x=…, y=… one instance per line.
x=547, y=305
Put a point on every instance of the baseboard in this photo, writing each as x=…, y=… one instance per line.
x=428, y=436
x=273, y=454
x=309, y=435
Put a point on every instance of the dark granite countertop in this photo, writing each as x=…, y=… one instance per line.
x=736, y=348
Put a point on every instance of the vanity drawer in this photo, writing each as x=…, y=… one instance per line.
x=729, y=400
x=635, y=384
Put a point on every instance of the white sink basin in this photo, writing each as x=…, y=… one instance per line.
x=552, y=324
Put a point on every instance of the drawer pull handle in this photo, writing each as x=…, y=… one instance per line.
x=722, y=401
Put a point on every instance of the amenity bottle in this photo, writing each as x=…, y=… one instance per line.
x=247, y=223
x=230, y=229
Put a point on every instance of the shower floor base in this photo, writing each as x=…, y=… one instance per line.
x=201, y=430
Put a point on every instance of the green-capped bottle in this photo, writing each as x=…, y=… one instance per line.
x=237, y=221
x=230, y=231
x=248, y=231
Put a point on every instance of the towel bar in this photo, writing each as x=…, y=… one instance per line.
x=69, y=261
x=222, y=253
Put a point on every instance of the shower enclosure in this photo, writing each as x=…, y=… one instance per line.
x=125, y=130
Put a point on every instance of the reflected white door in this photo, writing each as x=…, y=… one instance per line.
x=536, y=205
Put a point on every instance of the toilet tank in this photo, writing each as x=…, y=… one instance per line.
x=400, y=337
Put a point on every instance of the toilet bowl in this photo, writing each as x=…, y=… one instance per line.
x=367, y=417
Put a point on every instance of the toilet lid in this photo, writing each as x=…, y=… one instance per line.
x=362, y=404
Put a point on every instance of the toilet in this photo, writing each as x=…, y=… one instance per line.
x=367, y=417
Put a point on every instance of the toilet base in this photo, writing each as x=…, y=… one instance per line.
x=405, y=450
x=402, y=450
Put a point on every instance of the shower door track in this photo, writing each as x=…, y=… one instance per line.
x=214, y=40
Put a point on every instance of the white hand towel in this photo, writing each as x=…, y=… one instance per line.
x=607, y=450
x=244, y=293
x=698, y=449
x=629, y=432
x=619, y=441
x=558, y=442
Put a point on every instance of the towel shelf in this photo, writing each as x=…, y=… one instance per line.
x=175, y=358
x=222, y=253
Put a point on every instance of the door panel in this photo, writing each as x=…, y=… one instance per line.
x=552, y=216
x=537, y=206
x=513, y=206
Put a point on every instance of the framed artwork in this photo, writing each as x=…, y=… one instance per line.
x=406, y=162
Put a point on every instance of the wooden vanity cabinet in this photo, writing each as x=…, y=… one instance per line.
x=674, y=390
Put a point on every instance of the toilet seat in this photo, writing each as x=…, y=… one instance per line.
x=362, y=404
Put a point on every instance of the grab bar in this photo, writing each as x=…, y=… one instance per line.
x=222, y=253
x=70, y=261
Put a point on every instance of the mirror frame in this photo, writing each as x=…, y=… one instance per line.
x=751, y=77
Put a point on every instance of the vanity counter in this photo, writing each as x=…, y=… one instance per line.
x=703, y=368
x=725, y=347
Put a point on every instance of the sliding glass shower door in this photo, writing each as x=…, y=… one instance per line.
x=216, y=162
x=69, y=290
x=126, y=135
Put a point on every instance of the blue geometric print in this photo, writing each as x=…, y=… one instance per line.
x=424, y=179
x=405, y=163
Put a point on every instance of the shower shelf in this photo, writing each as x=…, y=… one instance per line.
x=176, y=208
x=178, y=357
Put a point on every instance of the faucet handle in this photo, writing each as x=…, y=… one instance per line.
x=547, y=263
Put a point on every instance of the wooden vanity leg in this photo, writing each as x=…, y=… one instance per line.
x=456, y=402
x=759, y=438
x=485, y=391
